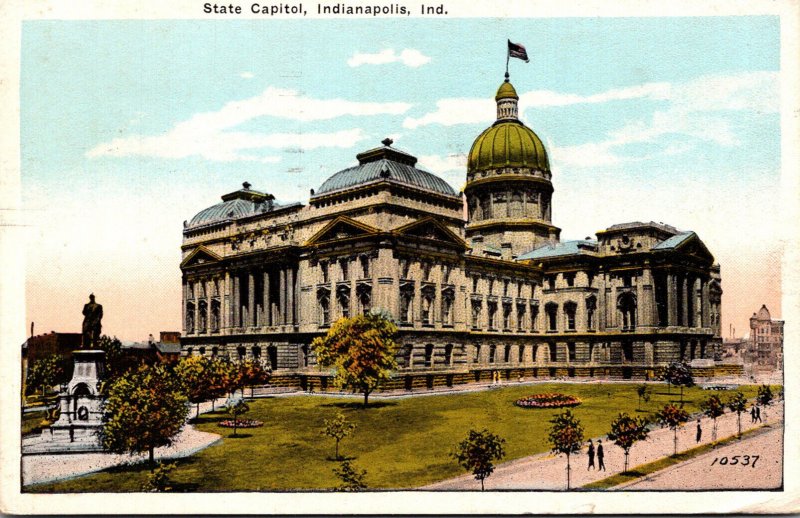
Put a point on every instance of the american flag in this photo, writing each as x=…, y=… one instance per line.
x=515, y=50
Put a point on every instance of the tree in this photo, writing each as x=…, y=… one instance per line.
x=566, y=436
x=738, y=403
x=220, y=376
x=713, y=408
x=44, y=373
x=672, y=417
x=193, y=372
x=145, y=409
x=338, y=428
x=478, y=452
x=352, y=479
x=117, y=362
x=362, y=350
x=764, y=398
x=626, y=431
x=679, y=374
x=643, y=392
x=236, y=407
x=251, y=373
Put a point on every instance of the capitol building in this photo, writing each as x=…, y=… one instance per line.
x=479, y=283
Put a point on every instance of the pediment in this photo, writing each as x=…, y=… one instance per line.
x=430, y=228
x=200, y=255
x=340, y=229
x=694, y=247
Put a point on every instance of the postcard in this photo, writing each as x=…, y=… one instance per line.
x=399, y=257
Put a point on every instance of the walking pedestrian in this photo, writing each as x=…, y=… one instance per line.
x=600, y=464
x=699, y=430
x=758, y=414
x=591, y=455
x=753, y=414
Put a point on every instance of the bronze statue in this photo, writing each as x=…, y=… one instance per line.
x=92, y=315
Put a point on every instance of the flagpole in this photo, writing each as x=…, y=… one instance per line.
x=508, y=57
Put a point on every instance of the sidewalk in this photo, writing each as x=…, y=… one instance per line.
x=547, y=472
x=38, y=469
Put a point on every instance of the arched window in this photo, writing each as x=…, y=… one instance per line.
x=272, y=352
x=202, y=313
x=343, y=298
x=202, y=351
x=429, y=355
x=476, y=314
x=515, y=207
x=448, y=297
x=448, y=355
x=324, y=305
x=570, y=308
x=521, y=354
x=476, y=358
x=492, y=353
x=364, y=298
x=241, y=351
x=591, y=307
x=507, y=354
x=189, y=351
x=408, y=356
x=492, y=315
x=214, y=351
x=551, y=308
x=304, y=355
x=427, y=308
x=364, y=260
x=486, y=206
x=256, y=350
x=215, y=315
x=189, y=318
x=627, y=309
x=553, y=351
x=406, y=305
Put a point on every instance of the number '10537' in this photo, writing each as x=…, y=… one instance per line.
x=741, y=460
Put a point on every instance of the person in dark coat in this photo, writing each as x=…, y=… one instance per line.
x=591, y=455
x=758, y=414
x=699, y=431
x=600, y=464
x=753, y=414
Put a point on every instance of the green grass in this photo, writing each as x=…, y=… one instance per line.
x=402, y=443
x=658, y=465
x=32, y=422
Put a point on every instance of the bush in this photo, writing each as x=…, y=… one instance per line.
x=549, y=400
x=158, y=480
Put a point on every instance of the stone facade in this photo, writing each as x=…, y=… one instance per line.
x=497, y=291
x=765, y=347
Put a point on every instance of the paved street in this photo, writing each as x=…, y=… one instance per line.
x=707, y=472
x=547, y=472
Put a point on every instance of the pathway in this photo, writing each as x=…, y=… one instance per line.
x=547, y=471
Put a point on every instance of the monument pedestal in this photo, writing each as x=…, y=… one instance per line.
x=81, y=410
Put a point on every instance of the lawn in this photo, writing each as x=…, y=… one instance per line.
x=402, y=443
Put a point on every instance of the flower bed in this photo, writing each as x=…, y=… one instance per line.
x=549, y=400
x=240, y=423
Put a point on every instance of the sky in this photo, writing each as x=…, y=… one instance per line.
x=130, y=127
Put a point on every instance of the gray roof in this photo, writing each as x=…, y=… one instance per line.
x=639, y=224
x=239, y=204
x=674, y=241
x=560, y=249
x=165, y=348
x=385, y=164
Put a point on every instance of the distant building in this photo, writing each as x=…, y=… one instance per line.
x=765, y=348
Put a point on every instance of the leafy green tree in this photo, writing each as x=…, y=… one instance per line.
x=193, y=373
x=672, y=417
x=643, y=391
x=352, y=479
x=44, y=373
x=145, y=409
x=765, y=398
x=738, y=403
x=221, y=376
x=362, y=351
x=713, y=408
x=117, y=361
x=566, y=436
x=627, y=431
x=338, y=428
x=251, y=373
x=478, y=452
x=679, y=374
x=236, y=407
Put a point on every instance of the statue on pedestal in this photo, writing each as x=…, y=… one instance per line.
x=92, y=315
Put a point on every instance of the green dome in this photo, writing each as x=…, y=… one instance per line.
x=507, y=144
x=506, y=91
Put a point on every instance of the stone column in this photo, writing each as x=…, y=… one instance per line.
x=672, y=300
x=282, y=296
x=251, y=299
x=184, y=297
x=685, y=306
x=237, y=300
x=648, y=294
x=225, y=301
x=267, y=302
x=706, y=313
x=290, y=295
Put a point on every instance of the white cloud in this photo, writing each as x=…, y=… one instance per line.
x=247, y=75
x=409, y=57
x=210, y=134
x=440, y=164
